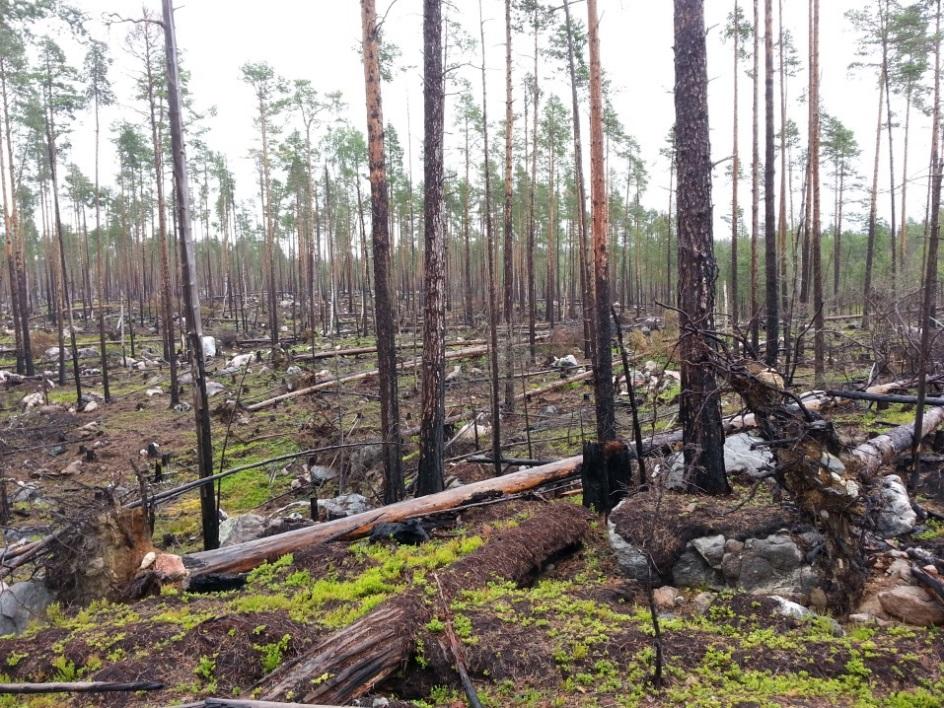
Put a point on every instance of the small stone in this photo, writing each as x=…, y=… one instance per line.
x=169, y=566
x=72, y=468
x=90, y=407
x=703, y=601
x=148, y=560
x=912, y=605
x=930, y=569
x=666, y=597
x=790, y=609
x=711, y=548
x=895, y=516
x=732, y=545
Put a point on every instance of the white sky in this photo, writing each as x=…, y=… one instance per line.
x=318, y=40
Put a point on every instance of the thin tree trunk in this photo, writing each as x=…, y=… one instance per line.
x=603, y=365
x=873, y=210
x=819, y=338
x=771, y=270
x=191, y=292
x=383, y=309
x=490, y=268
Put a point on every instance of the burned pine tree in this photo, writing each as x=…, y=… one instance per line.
x=188, y=267
x=699, y=402
x=603, y=362
x=430, y=473
x=383, y=307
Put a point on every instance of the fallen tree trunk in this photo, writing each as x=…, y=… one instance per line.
x=353, y=660
x=246, y=703
x=461, y=354
x=244, y=556
x=356, y=351
x=874, y=454
x=80, y=687
x=884, y=397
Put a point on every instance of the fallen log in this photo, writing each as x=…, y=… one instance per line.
x=461, y=354
x=353, y=660
x=357, y=351
x=930, y=583
x=884, y=397
x=80, y=687
x=874, y=454
x=246, y=703
x=244, y=556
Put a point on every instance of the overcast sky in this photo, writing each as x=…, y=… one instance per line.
x=319, y=39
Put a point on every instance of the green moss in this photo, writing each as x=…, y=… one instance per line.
x=271, y=655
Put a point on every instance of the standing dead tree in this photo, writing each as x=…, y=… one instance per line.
x=383, y=307
x=699, y=402
x=188, y=266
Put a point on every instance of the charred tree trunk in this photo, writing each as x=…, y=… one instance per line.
x=819, y=336
x=873, y=212
x=429, y=476
x=191, y=292
x=699, y=404
x=383, y=307
x=771, y=271
x=603, y=365
x=508, y=250
x=490, y=268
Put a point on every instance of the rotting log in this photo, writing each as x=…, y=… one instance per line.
x=466, y=353
x=353, y=660
x=244, y=556
x=80, y=687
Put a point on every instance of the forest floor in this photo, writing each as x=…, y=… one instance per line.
x=580, y=635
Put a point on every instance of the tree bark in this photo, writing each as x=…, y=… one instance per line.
x=429, y=478
x=819, y=336
x=603, y=363
x=383, y=308
x=490, y=268
x=771, y=270
x=191, y=291
x=699, y=404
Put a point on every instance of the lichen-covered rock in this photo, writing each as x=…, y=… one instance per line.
x=20, y=603
x=238, y=529
x=895, y=515
x=630, y=559
x=741, y=458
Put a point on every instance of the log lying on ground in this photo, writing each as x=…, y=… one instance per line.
x=244, y=556
x=352, y=661
x=80, y=687
x=876, y=453
x=467, y=353
x=884, y=397
x=246, y=703
x=356, y=351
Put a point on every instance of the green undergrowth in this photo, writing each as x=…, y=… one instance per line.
x=604, y=653
x=333, y=600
